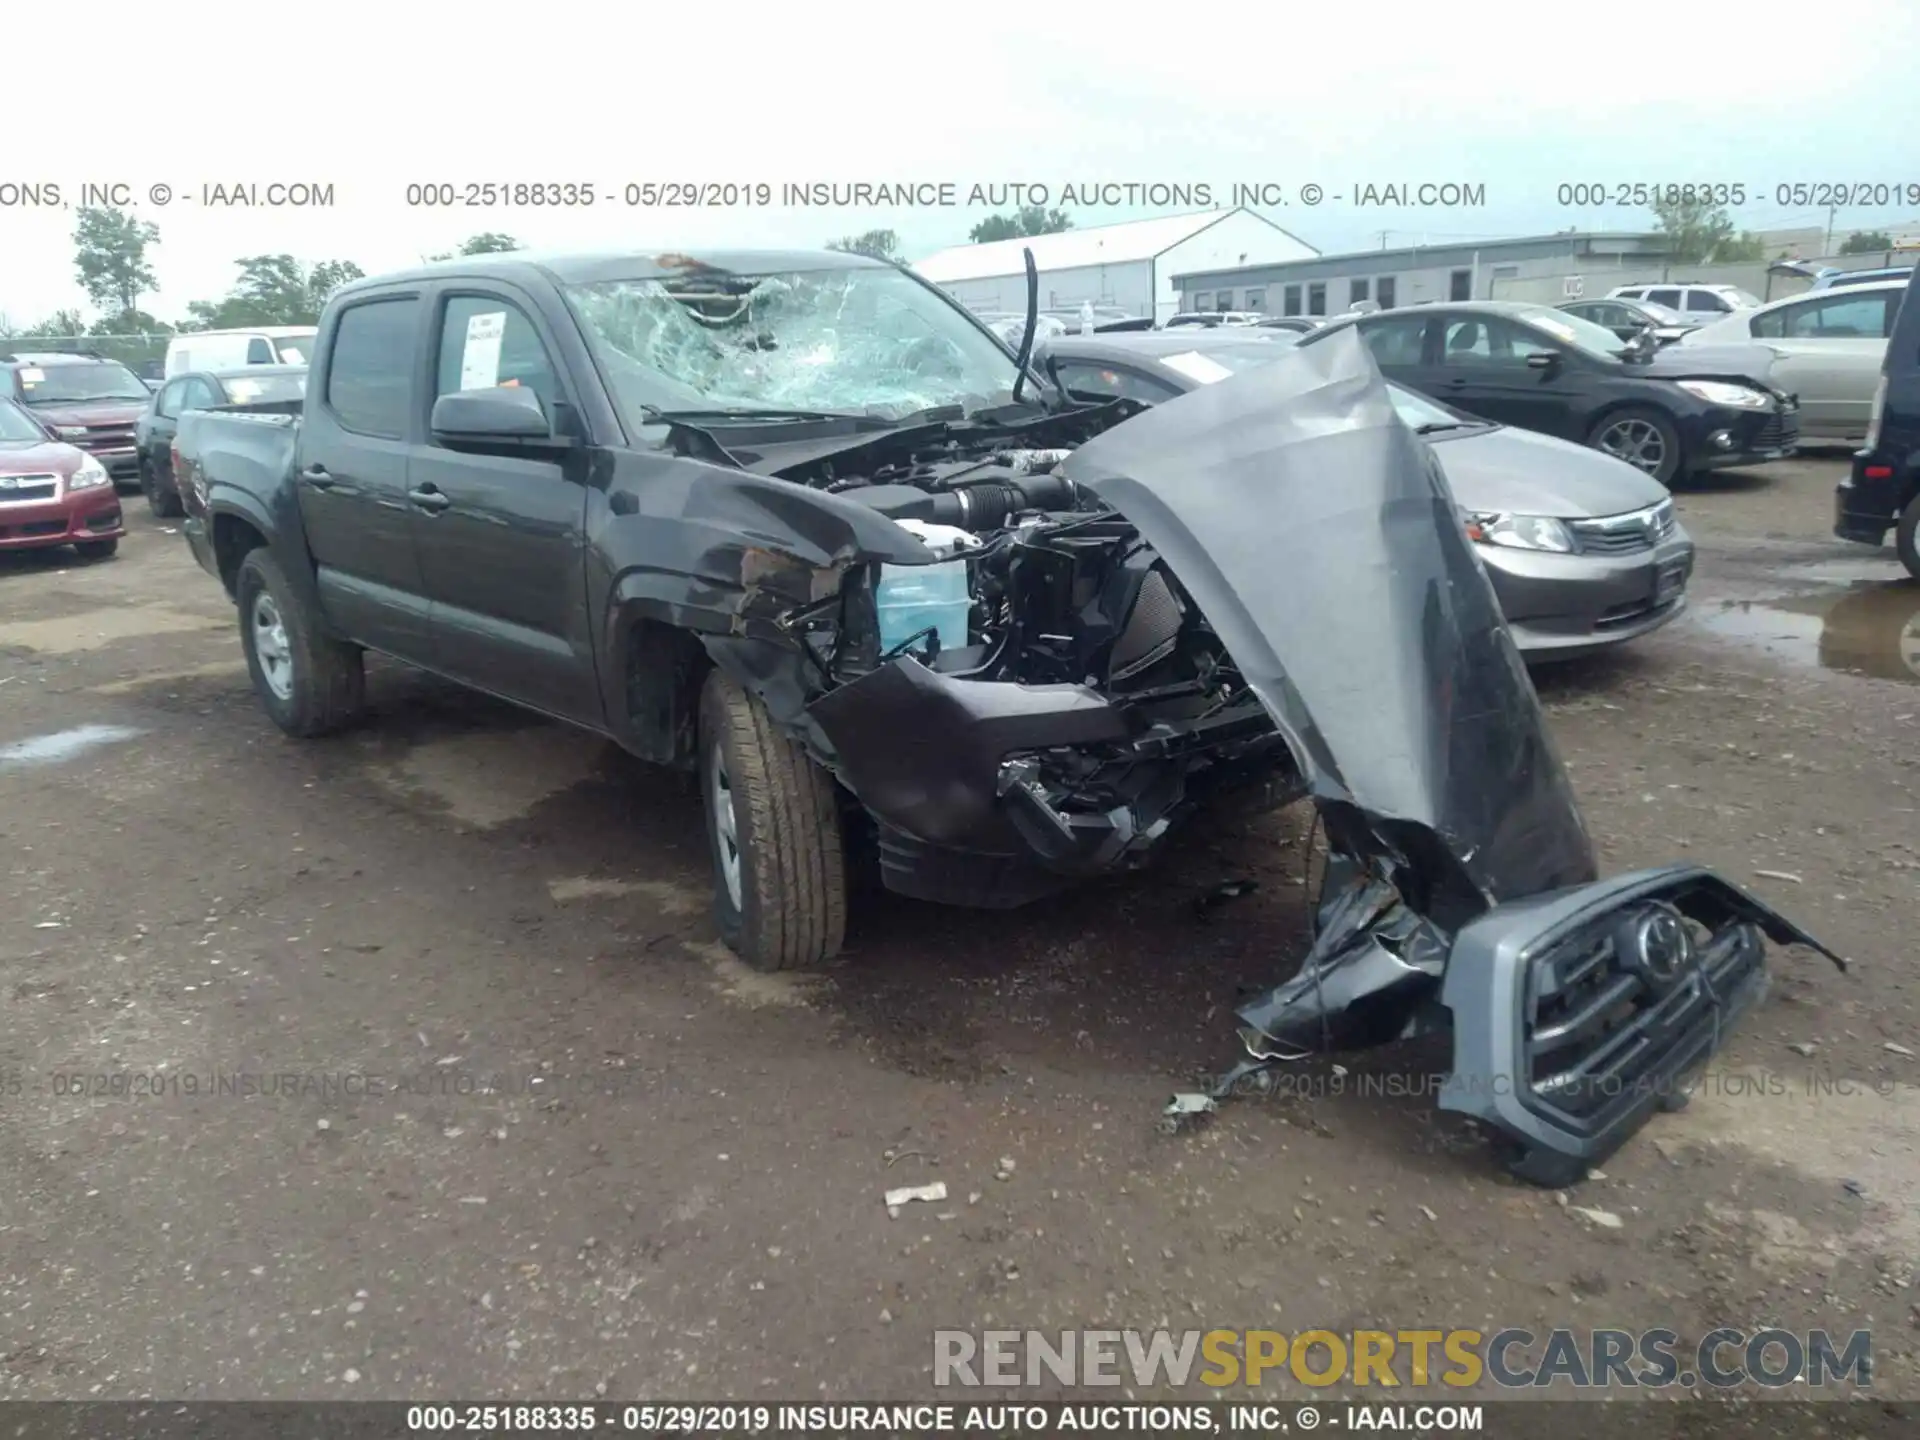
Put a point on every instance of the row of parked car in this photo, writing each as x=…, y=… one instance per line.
x=77, y=428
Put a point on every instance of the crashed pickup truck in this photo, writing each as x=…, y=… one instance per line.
x=799, y=523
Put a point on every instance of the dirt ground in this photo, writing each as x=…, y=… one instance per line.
x=532, y=1133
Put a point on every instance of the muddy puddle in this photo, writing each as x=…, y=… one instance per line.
x=1861, y=628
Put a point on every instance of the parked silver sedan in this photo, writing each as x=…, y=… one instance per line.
x=1830, y=344
x=1584, y=550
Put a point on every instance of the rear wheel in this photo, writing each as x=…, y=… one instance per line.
x=162, y=499
x=308, y=682
x=1642, y=437
x=1906, y=538
x=773, y=824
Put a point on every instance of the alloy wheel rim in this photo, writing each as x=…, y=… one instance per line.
x=726, y=825
x=1638, y=442
x=271, y=646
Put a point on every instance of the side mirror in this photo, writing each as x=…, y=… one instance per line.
x=1543, y=360
x=504, y=420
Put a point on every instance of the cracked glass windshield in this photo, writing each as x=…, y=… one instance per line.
x=863, y=340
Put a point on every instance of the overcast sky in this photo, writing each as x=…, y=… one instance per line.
x=1517, y=97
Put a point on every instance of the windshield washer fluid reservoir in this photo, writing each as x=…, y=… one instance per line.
x=912, y=599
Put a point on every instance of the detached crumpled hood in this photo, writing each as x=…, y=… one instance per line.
x=1319, y=536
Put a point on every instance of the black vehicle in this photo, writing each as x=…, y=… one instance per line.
x=799, y=524
x=1629, y=319
x=153, y=432
x=1883, y=492
x=1671, y=412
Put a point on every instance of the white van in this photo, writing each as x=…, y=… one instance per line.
x=230, y=349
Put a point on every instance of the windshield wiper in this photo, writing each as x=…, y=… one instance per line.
x=1434, y=427
x=744, y=416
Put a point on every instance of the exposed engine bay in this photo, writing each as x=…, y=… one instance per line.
x=1259, y=592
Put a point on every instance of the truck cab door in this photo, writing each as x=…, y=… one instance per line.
x=350, y=476
x=501, y=537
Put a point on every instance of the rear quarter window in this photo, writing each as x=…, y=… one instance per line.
x=370, y=374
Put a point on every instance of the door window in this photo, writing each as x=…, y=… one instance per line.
x=197, y=394
x=1460, y=286
x=1396, y=342
x=1358, y=290
x=1089, y=379
x=1837, y=317
x=370, y=376
x=259, y=351
x=169, y=402
x=486, y=341
x=1668, y=298
x=1705, y=302
x=1385, y=292
x=1485, y=341
x=1317, y=298
x=1290, y=300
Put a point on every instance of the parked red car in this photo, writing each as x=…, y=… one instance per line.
x=52, y=493
x=89, y=401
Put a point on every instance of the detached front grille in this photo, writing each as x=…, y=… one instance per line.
x=17, y=488
x=1606, y=1015
x=1629, y=534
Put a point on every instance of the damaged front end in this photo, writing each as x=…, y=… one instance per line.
x=1261, y=592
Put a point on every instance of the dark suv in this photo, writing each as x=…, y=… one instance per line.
x=1883, y=492
x=87, y=400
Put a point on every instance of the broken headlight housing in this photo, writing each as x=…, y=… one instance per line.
x=1518, y=532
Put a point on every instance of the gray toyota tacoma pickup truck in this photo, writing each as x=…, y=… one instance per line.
x=799, y=523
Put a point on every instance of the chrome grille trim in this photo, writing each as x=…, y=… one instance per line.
x=1628, y=534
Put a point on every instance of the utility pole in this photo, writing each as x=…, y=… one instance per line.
x=1832, y=210
x=1383, y=238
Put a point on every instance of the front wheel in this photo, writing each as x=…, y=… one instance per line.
x=1906, y=538
x=162, y=500
x=1642, y=437
x=773, y=824
x=308, y=682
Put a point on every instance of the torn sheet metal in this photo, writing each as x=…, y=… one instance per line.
x=1356, y=609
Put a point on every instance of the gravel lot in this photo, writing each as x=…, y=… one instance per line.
x=531, y=1132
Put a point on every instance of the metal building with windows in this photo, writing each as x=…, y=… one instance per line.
x=1545, y=268
x=1129, y=266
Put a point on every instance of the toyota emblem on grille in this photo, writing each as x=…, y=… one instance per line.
x=1660, y=945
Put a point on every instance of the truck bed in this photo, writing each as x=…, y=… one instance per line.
x=249, y=447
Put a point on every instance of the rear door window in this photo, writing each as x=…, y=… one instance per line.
x=370, y=377
x=1668, y=298
x=1396, y=342
x=1839, y=317
x=1705, y=302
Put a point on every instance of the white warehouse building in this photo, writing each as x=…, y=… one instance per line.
x=1129, y=266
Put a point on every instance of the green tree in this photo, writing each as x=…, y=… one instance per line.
x=487, y=242
x=880, y=244
x=1027, y=220
x=130, y=322
x=110, y=258
x=1696, y=231
x=1866, y=242
x=60, y=325
x=1745, y=248
x=273, y=290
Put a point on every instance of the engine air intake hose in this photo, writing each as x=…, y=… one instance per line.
x=979, y=507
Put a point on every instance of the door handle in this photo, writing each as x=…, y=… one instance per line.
x=317, y=477
x=429, y=499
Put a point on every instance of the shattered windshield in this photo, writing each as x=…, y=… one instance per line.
x=859, y=340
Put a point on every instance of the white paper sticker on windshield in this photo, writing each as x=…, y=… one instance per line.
x=32, y=377
x=480, y=359
x=1195, y=366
